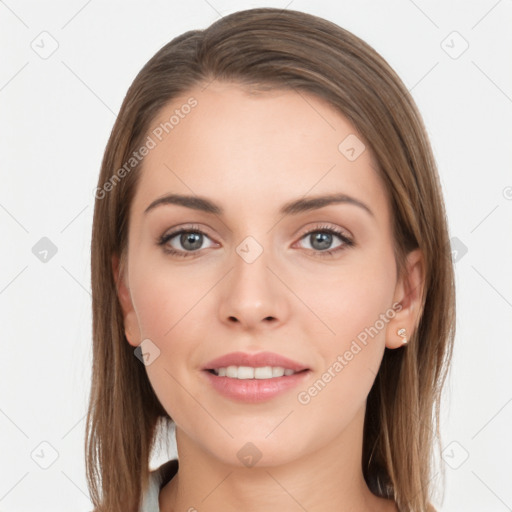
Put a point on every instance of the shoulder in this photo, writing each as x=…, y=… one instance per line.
x=157, y=479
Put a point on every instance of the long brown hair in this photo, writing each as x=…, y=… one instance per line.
x=269, y=47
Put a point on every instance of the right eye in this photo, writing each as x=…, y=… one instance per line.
x=190, y=240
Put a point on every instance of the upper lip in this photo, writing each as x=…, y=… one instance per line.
x=254, y=360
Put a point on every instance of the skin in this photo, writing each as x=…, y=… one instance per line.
x=251, y=153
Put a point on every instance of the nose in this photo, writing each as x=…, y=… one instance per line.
x=252, y=295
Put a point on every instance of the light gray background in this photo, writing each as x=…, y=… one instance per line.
x=57, y=113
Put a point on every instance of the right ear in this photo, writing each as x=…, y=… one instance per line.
x=131, y=324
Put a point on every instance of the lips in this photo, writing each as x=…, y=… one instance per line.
x=260, y=359
x=287, y=374
x=254, y=390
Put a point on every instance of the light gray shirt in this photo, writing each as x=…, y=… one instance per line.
x=157, y=479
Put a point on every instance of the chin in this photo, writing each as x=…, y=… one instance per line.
x=254, y=451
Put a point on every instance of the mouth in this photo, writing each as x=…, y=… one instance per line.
x=252, y=385
x=256, y=377
x=256, y=373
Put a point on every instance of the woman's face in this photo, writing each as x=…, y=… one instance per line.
x=250, y=279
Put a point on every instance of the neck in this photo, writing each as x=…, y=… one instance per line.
x=327, y=479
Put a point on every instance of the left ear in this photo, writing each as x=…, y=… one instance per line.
x=408, y=293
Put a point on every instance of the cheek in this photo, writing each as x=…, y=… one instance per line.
x=355, y=311
x=345, y=302
x=165, y=297
x=350, y=358
x=171, y=313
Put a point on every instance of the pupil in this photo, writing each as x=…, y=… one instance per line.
x=191, y=237
x=324, y=240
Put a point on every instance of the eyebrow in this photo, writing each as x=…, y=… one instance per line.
x=291, y=208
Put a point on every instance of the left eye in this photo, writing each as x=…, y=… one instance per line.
x=321, y=239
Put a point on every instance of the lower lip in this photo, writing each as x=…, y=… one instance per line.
x=254, y=390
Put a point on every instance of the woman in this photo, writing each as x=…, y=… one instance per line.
x=271, y=276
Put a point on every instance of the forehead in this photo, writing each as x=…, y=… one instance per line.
x=251, y=150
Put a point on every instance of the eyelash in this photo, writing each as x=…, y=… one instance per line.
x=347, y=242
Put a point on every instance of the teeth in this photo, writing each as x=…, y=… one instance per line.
x=248, y=372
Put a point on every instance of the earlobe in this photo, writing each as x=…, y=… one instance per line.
x=408, y=293
x=403, y=334
x=131, y=328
